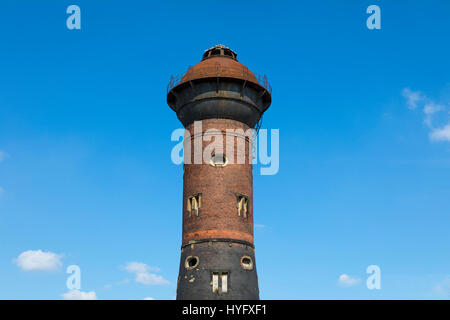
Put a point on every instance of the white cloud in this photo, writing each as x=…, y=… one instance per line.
x=443, y=289
x=412, y=97
x=348, y=281
x=143, y=275
x=442, y=134
x=149, y=298
x=429, y=109
x=38, y=260
x=136, y=267
x=150, y=279
x=79, y=295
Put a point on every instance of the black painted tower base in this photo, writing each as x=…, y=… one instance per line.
x=218, y=269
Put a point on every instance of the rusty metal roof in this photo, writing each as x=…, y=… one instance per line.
x=219, y=62
x=219, y=66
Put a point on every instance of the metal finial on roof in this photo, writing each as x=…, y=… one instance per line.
x=220, y=46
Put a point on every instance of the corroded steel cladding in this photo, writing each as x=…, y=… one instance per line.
x=223, y=260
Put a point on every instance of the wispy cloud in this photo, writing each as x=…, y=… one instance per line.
x=415, y=99
x=429, y=110
x=143, y=274
x=38, y=260
x=412, y=97
x=443, y=289
x=348, y=281
x=79, y=295
x=440, y=134
x=138, y=267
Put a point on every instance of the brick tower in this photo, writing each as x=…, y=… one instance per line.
x=218, y=99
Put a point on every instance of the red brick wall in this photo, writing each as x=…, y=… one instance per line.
x=218, y=216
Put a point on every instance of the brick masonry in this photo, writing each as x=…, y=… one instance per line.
x=218, y=215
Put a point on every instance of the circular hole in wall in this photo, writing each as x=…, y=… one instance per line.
x=191, y=262
x=247, y=263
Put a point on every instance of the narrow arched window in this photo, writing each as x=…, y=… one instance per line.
x=242, y=205
x=194, y=204
x=244, y=208
x=188, y=206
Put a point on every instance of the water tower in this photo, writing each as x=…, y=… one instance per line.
x=221, y=95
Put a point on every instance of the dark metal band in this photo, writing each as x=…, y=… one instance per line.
x=230, y=240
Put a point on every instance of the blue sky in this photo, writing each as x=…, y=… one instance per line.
x=85, y=169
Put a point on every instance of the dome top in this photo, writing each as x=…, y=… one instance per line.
x=218, y=66
x=219, y=62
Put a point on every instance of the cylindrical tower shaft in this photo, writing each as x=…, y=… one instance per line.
x=218, y=260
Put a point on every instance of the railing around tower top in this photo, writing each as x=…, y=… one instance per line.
x=219, y=71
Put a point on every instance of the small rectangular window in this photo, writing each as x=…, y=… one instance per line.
x=215, y=281
x=193, y=204
x=224, y=277
x=221, y=287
